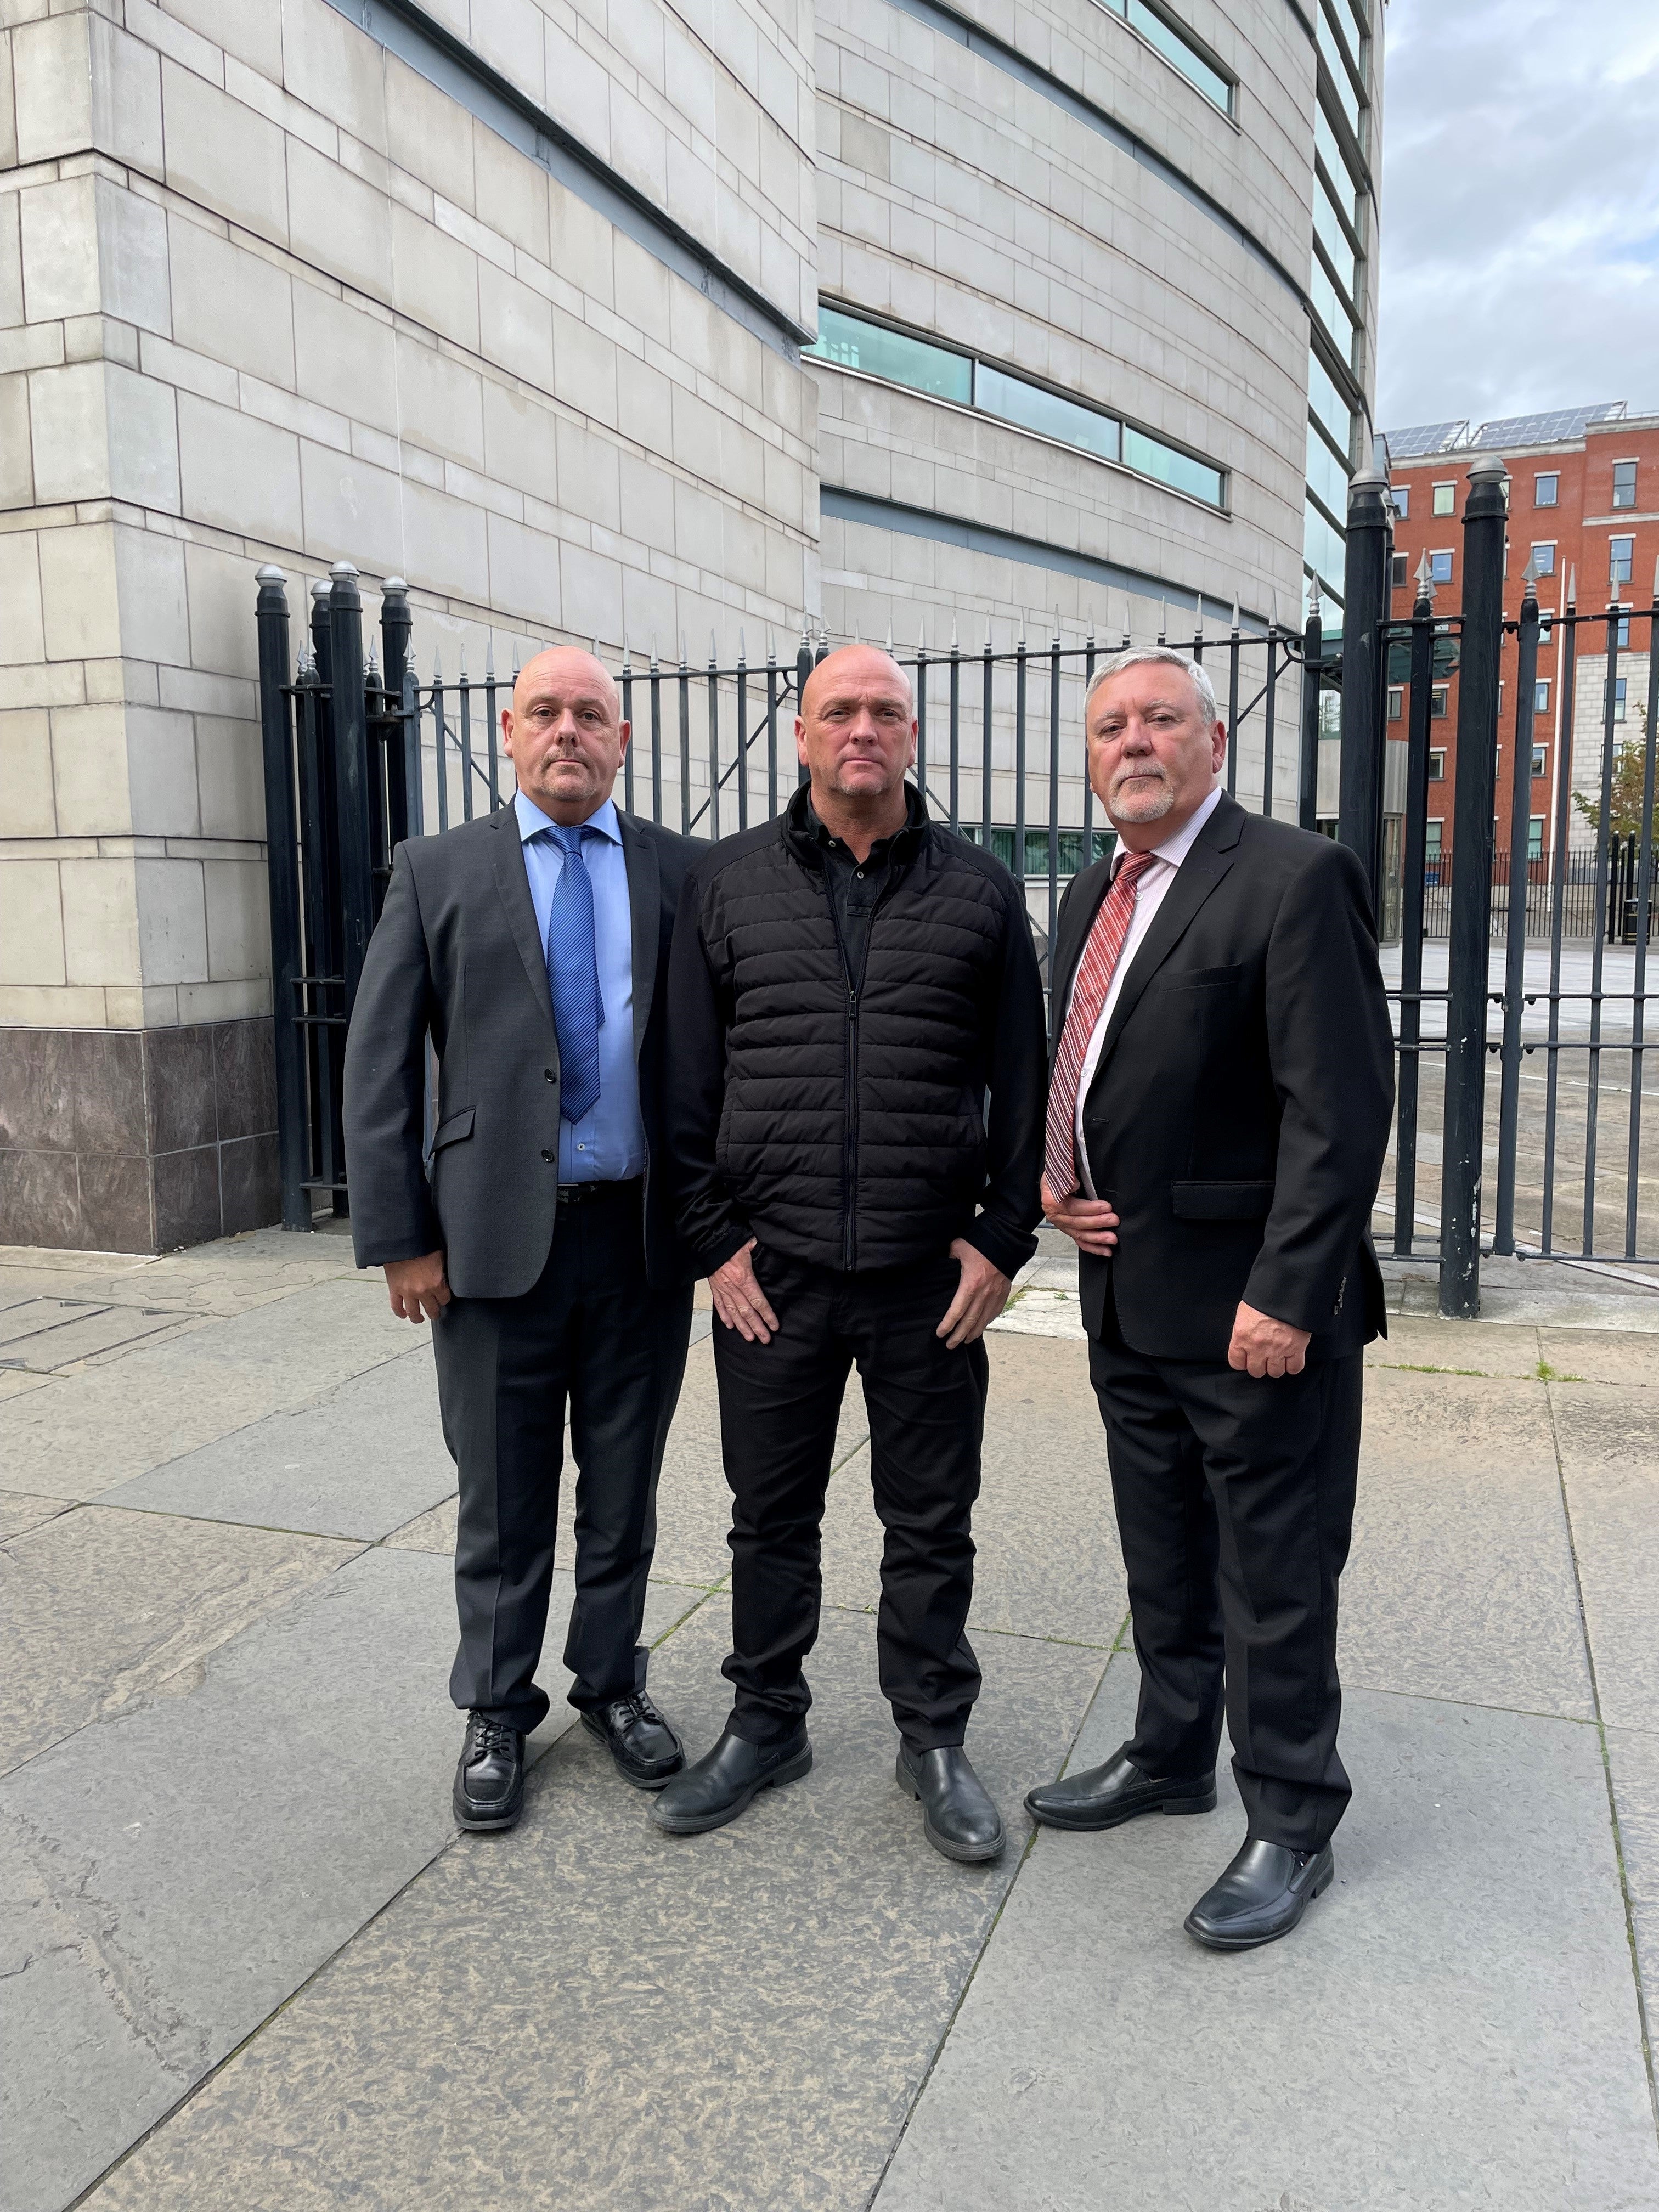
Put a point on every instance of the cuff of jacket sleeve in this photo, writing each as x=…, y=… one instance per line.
x=386, y=1251
x=719, y=1249
x=1272, y=1292
x=1006, y=1248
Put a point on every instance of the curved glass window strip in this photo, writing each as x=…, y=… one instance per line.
x=1330, y=45
x=1329, y=306
x=1322, y=548
x=1046, y=412
x=1327, y=226
x=1328, y=404
x=848, y=342
x=1154, y=459
x=1327, y=477
x=1179, y=53
x=890, y=355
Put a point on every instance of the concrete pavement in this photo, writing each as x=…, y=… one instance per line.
x=246, y=1962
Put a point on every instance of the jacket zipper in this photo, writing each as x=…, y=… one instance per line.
x=849, y=1155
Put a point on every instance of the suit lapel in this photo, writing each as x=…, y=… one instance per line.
x=644, y=904
x=507, y=857
x=1204, y=867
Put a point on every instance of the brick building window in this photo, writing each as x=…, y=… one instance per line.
x=1620, y=684
x=1396, y=703
x=1546, y=489
x=1401, y=497
x=1543, y=560
x=1540, y=760
x=1535, y=838
x=1623, y=483
x=1621, y=556
x=1432, y=840
x=1398, y=574
x=1540, y=695
x=1445, y=499
x=1440, y=568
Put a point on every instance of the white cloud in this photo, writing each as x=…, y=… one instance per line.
x=1520, y=263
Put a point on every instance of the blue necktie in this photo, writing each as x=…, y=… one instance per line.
x=573, y=976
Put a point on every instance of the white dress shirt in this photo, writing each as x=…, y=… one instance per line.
x=1155, y=881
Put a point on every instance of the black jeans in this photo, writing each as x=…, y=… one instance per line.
x=594, y=1332
x=1235, y=1504
x=779, y=1403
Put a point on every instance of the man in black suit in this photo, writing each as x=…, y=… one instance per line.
x=531, y=945
x=1219, y=1110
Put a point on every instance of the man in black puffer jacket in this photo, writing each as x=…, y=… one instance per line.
x=848, y=984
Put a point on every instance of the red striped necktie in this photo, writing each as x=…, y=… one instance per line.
x=1094, y=980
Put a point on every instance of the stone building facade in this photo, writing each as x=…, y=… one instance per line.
x=518, y=299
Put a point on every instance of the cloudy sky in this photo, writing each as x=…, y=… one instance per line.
x=1520, y=207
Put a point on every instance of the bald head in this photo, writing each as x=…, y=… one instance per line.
x=850, y=664
x=856, y=735
x=564, y=734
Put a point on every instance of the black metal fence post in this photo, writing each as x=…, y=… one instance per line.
x=1365, y=657
x=351, y=767
x=1313, y=663
x=281, y=863
x=1515, y=921
x=1484, y=514
x=1411, y=910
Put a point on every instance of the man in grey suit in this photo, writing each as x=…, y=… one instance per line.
x=532, y=946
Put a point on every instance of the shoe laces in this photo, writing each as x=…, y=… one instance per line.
x=488, y=1739
x=636, y=1706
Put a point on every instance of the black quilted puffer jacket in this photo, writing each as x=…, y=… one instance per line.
x=851, y=1128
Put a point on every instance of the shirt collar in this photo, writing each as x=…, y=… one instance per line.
x=820, y=832
x=532, y=821
x=1174, y=850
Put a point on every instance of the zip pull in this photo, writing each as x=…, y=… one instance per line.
x=852, y=1005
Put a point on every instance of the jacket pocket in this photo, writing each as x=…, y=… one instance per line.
x=452, y=1131
x=1222, y=1201
x=1196, y=978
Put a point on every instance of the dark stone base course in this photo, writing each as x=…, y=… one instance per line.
x=137, y=1140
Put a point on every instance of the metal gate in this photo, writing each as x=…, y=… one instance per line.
x=1536, y=960
x=1535, y=957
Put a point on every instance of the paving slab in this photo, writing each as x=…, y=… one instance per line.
x=360, y=1462
x=1633, y=1773
x=195, y=1859
x=99, y=1608
x=1602, y=1355
x=585, y=2013
x=1610, y=1470
x=1461, y=1581
x=18, y=1512
x=107, y=1424
x=1454, y=2024
x=1462, y=1347
x=1049, y=1563
x=46, y=1335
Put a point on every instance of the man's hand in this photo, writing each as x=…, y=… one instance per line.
x=740, y=1300
x=980, y=1296
x=417, y=1288
x=1088, y=1222
x=1265, y=1347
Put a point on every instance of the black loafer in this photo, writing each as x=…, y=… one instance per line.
x=488, y=1789
x=718, y=1787
x=1104, y=1796
x=646, y=1749
x=957, y=1815
x=1262, y=1895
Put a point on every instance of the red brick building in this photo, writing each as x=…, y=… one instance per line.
x=1584, y=504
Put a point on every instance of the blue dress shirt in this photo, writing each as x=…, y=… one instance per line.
x=608, y=1144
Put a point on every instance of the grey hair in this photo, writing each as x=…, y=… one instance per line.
x=1115, y=662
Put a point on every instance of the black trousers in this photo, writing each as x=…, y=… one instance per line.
x=1235, y=1504
x=593, y=1333
x=779, y=1403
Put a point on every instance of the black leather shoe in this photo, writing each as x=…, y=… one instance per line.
x=646, y=1749
x=1103, y=1797
x=1262, y=1895
x=718, y=1788
x=489, y=1778
x=957, y=1815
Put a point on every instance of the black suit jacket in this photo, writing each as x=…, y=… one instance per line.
x=457, y=954
x=1239, y=1114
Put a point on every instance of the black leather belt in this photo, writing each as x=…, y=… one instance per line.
x=595, y=1194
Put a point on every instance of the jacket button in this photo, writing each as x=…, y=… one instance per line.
x=548, y=1074
x=550, y=1156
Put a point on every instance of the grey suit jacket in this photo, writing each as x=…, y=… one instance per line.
x=456, y=955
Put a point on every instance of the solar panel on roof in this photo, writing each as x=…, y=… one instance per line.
x=1547, y=429
x=1426, y=438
